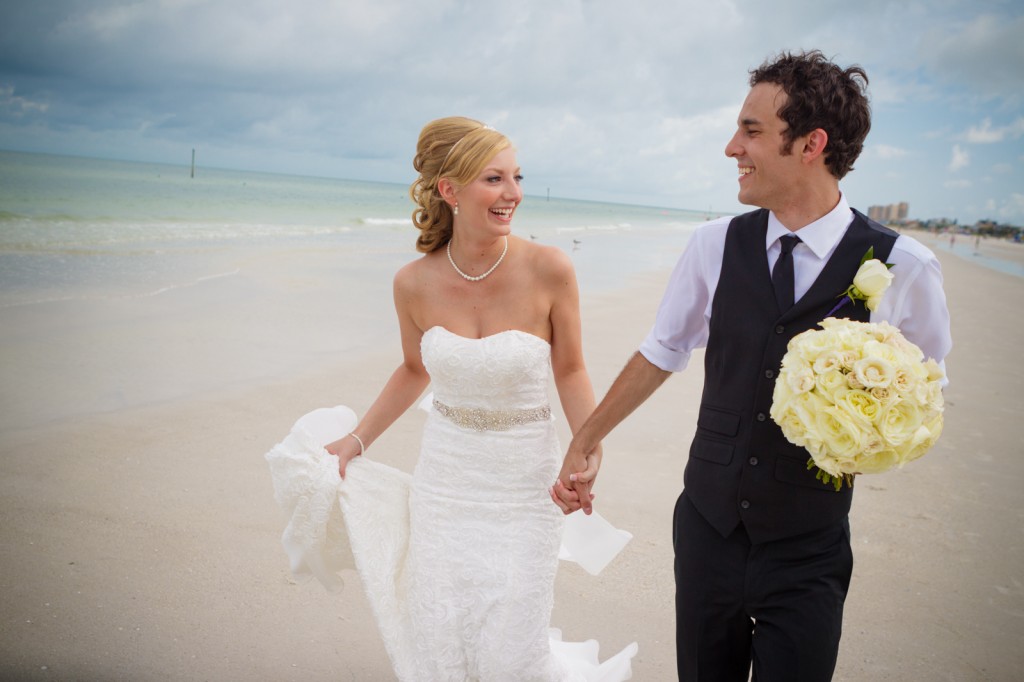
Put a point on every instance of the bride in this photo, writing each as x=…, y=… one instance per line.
x=460, y=562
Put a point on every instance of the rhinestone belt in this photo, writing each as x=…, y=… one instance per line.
x=491, y=420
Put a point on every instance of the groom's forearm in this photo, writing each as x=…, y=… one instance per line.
x=634, y=385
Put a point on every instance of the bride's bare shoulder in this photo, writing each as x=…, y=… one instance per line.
x=550, y=263
x=416, y=274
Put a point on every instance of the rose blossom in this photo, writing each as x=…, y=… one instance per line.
x=841, y=436
x=859, y=404
x=899, y=421
x=874, y=371
x=871, y=280
x=828, y=361
x=801, y=381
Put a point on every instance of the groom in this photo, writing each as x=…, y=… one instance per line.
x=763, y=558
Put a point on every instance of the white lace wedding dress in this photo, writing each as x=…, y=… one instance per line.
x=458, y=560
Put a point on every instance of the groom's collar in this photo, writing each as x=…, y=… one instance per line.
x=821, y=236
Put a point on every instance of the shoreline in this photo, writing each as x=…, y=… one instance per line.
x=137, y=539
x=319, y=315
x=1001, y=255
x=241, y=315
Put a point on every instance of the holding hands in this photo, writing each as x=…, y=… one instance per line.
x=637, y=381
x=572, y=488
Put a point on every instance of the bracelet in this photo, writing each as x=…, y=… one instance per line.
x=362, y=448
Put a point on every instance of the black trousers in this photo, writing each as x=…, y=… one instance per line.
x=776, y=606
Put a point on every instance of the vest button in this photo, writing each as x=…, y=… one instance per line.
x=779, y=329
x=768, y=374
x=745, y=504
x=761, y=416
x=753, y=461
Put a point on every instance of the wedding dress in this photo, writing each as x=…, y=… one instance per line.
x=458, y=561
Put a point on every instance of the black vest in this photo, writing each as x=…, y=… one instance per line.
x=741, y=468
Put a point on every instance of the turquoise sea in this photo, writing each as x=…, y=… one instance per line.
x=128, y=284
x=75, y=227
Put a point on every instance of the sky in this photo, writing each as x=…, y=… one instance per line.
x=606, y=100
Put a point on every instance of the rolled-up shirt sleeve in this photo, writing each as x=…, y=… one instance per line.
x=681, y=325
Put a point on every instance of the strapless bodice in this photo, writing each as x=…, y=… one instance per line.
x=504, y=371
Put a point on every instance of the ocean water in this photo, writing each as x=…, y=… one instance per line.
x=75, y=228
x=967, y=250
x=130, y=284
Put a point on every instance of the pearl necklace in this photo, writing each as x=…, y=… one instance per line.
x=471, y=278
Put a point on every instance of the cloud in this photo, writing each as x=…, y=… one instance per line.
x=19, y=106
x=983, y=52
x=957, y=184
x=1007, y=208
x=961, y=159
x=986, y=134
x=604, y=100
x=1013, y=207
x=887, y=152
x=676, y=134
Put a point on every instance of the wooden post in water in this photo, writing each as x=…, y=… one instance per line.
x=193, y=173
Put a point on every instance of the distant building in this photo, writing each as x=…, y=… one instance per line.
x=889, y=214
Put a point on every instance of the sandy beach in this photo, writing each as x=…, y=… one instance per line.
x=142, y=542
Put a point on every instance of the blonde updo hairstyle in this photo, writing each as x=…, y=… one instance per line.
x=456, y=148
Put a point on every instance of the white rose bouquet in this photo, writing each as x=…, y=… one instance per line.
x=858, y=396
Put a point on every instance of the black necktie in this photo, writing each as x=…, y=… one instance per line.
x=782, y=273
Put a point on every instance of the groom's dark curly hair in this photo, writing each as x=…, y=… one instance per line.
x=821, y=95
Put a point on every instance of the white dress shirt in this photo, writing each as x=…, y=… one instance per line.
x=914, y=302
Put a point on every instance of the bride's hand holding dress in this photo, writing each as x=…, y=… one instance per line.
x=345, y=449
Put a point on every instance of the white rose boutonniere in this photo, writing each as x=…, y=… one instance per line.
x=869, y=284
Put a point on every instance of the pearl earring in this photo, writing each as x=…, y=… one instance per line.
x=455, y=209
